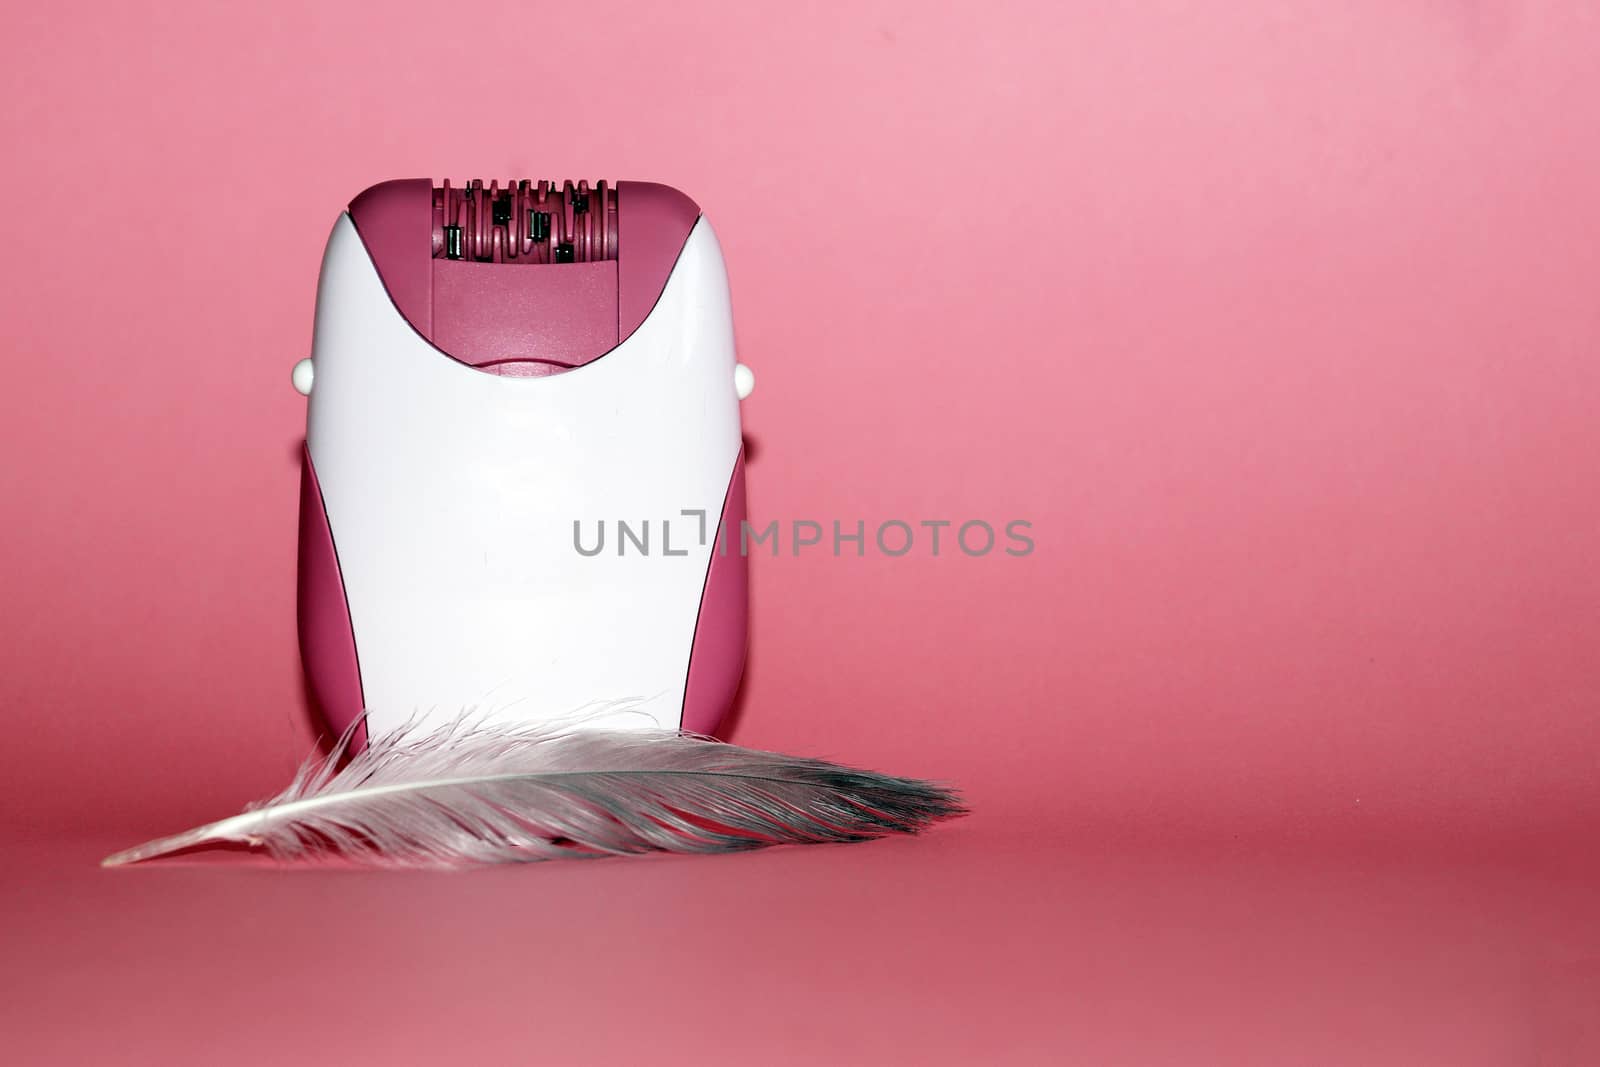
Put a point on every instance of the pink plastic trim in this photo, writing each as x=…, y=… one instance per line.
x=395, y=222
x=716, y=661
x=486, y=314
x=327, y=642
x=653, y=222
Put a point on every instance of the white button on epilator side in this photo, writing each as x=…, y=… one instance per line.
x=744, y=380
x=301, y=377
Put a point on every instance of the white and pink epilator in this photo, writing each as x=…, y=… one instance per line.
x=499, y=375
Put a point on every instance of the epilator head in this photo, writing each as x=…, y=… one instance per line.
x=523, y=481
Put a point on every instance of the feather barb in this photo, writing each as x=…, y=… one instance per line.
x=470, y=793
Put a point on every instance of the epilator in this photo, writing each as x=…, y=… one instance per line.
x=503, y=377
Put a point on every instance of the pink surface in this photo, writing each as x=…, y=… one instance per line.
x=1279, y=324
x=1013, y=939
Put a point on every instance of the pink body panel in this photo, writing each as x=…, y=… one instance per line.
x=395, y=221
x=327, y=643
x=487, y=313
x=716, y=661
x=653, y=222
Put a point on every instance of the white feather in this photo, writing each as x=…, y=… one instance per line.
x=475, y=793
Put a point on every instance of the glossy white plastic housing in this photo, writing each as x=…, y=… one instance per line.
x=452, y=496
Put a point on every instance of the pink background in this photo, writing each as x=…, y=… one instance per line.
x=1280, y=322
